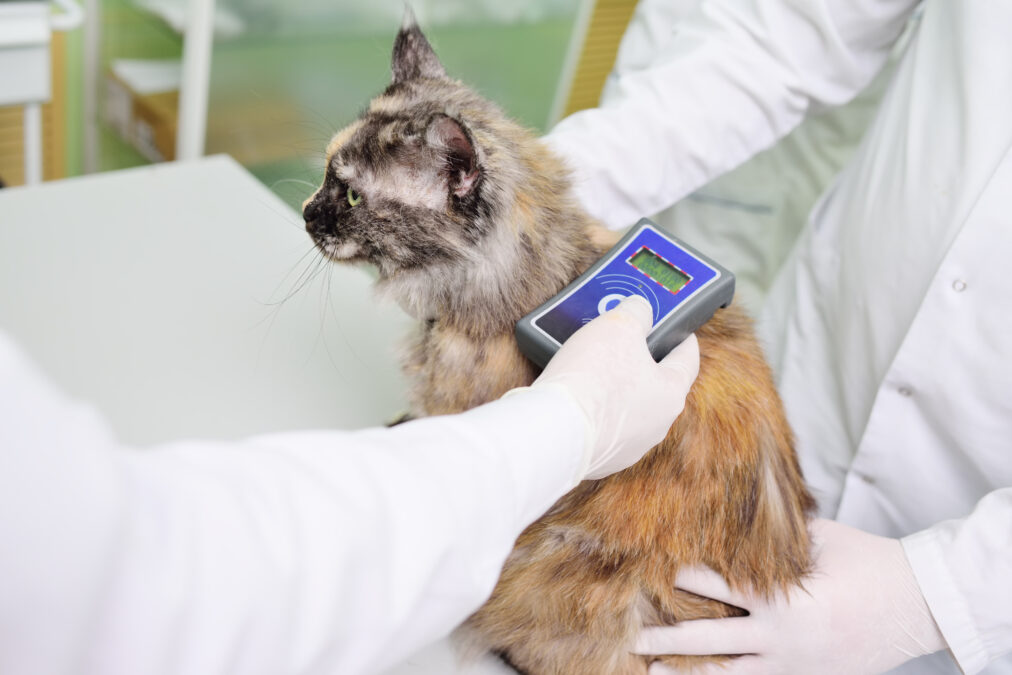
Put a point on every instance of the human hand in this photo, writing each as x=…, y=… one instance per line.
x=860, y=611
x=630, y=401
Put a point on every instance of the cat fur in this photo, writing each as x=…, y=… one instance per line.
x=461, y=209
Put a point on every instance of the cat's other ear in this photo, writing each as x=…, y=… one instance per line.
x=449, y=136
x=413, y=55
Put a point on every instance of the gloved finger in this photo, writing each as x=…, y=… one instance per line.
x=684, y=359
x=704, y=581
x=638, y=309
x=701, y=637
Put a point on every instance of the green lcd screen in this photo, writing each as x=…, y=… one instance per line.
x=659, y=269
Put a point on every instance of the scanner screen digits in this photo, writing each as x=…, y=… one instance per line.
x=659, y=269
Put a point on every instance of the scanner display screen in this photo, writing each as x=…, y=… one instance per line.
x=659, y=269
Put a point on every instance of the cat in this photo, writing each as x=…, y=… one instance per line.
x=460, y=209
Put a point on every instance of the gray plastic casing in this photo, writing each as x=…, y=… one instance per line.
x=540, y=347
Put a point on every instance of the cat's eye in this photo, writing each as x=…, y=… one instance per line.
x=354, y=198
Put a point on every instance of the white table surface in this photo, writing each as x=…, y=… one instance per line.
x=153, y=293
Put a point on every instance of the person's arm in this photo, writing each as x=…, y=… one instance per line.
x=964, y=569
x=858, y=612
x=736, y=76
x=300, y=552
x=283, y=553
x=870, y=604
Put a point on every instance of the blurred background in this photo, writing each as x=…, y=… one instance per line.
x=267, y=81
x=157, y=265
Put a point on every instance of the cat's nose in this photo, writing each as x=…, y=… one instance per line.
x=311, y=211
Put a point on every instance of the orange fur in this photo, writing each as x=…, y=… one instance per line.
x=601, y=564
x=723, y=489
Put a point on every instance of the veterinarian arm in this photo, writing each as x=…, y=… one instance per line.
x=339, y=552
x=735, y=77
x=871, y=604
x=860, y=611
x=964, y=569
x=324, y=552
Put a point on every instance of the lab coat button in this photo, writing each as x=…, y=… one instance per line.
x=959, y=285
x=870, y=480
x=905, y=392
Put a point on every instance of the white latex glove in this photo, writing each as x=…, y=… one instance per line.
x=630, y=401
x=860, y=611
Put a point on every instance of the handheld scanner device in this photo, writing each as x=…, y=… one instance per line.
x=683, y=286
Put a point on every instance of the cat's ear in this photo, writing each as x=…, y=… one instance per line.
x=413, y=55
x=449, y=136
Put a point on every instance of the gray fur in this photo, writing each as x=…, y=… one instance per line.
x=413, y=55
x=461, y=207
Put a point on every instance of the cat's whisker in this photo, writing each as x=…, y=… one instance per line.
x=326, y=122
x=289, y=217
x=309, y=272
x=275, y=306
x=323, y=132
x=338, y=315
x=282, y=181
x=325, y=298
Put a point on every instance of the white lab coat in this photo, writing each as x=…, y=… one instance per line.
x=887, y=321
x=322, y=552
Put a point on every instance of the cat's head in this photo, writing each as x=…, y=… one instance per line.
x=452, y=201
x=407, y=183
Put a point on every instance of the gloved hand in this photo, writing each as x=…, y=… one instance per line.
x=630, y=401
x=860, y=611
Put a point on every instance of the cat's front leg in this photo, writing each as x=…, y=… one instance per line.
x=404, y=417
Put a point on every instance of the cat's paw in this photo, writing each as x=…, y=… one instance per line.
x=401, y=419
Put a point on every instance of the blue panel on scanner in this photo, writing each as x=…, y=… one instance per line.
x=683, y=287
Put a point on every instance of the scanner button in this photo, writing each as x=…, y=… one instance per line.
x=609, y=302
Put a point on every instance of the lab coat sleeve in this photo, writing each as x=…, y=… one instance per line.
x=964, y=568
x=735, y=77
x=303, y=552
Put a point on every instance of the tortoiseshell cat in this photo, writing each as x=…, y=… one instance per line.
x=459, y=207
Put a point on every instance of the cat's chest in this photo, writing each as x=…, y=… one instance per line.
x=453, y=371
